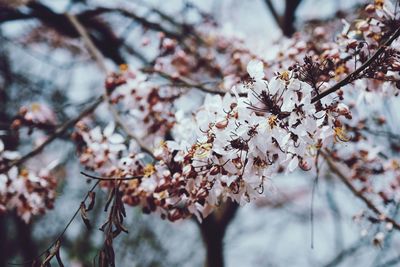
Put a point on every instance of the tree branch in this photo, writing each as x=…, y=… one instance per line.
x=289, y=17
x=349, y=78
x=98, y=57
x=285, y=22
x=357, y=193
x=143, y=21
x=58, y=132
x=137, y=177
x=184, y=82
x=275, y=14
x=104, y=38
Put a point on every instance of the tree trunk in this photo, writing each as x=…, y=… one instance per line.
x=213, y=230
x=3, y=241
x=289, y=17
x=26, y=244
x=213, y=238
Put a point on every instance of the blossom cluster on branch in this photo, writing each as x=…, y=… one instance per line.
x=231, y=147
x=26, y=191
x=209, y=120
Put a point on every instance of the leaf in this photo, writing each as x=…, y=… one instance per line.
x=57, y=252
x=103, y=226
x=103, y=259
x=118, y=224
x=122, y=208
x=110, y=198
x=110, y=251
x=116, y=232
x=46, y=262
x=85, y=216
x=92, y=196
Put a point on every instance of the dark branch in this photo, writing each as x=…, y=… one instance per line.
x=273, y=11
x=289, y=17
x=101, y=33
x=213, y=230
x=352, y=76
x=137, y=177
x=286, y=21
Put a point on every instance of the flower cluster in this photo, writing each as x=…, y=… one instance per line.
x=25, y=191
x=157, y=189
x=145, y=103
x=234, y=143
x=263, y=129
x=254, y=123
x=99, y=150
x=214, y=55
x=35, y=115
x=238, y=142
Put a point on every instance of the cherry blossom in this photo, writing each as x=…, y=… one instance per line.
x=28, y=193
x=209, y=120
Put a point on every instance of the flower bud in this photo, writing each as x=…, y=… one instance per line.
x=222, y=124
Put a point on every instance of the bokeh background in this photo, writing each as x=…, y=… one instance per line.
x=38, y=64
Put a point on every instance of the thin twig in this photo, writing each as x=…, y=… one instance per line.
x=349, y=78
x=339, y=258
x=358, y=193
x=98, y=57
x=142, y=20
x=136, y=177
x=184, y=82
